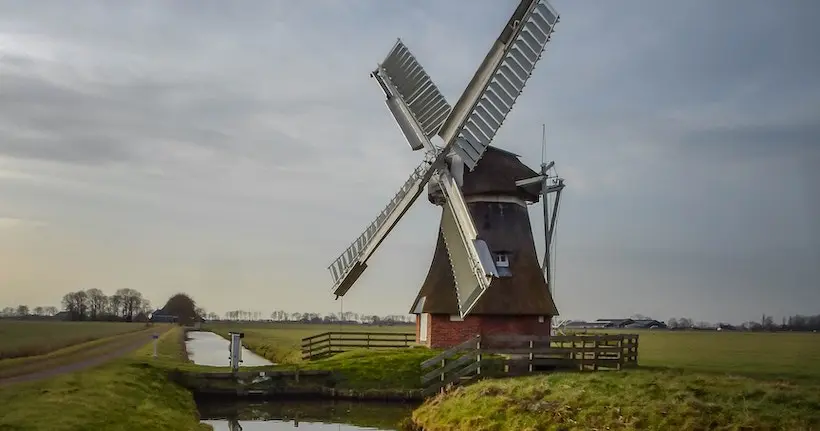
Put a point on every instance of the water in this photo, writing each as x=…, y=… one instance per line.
x=207, y=348
x=303, y=415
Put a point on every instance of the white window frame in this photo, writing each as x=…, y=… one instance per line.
x=502, y=260
x=424, y=324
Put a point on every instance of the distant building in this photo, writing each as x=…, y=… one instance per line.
x=616, y=323
x=585, y=325
x=646, y=324
x=159, y=316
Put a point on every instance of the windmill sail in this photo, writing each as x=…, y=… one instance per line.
x=470, y=258
x=425, y=103
x=499, y=81
x=347, y=268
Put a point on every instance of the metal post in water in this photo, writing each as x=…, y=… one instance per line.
x=235, y=349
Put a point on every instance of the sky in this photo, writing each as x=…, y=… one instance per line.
x=233, y=152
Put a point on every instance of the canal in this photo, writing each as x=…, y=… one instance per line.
x=207, y=348
x=210, y=349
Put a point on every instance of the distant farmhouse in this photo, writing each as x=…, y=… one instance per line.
x=617, y=323
x=159, y=316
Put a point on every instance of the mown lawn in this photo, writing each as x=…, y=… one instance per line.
x=30, y=338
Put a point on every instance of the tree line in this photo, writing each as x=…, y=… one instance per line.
x=792, y=323
x=92, y=304
x=310, y=317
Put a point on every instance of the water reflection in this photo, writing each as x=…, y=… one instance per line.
x=207, y=348
x=303, y=415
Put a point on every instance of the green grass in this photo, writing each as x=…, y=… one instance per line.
x=76, y=353
x=30, y=338
x=281, y=342
x=689, y=380
x=376, y=369
x=628, y=400
x=775, y=355
x=125, y=394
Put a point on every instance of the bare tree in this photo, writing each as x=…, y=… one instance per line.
x=76, y=303
x=97, y=303
x=22, y=310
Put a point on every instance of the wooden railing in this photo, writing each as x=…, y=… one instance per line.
x=329, y=343
x=511, y=355
x=455, y=366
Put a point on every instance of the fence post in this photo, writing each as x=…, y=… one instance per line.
x=595, y=352
x=443, y=362
x=621, y=355
x=368, y=341
x=478, y=355
x=531, y=357
x=310, y=349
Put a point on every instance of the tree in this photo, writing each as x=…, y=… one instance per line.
x=182, y=306
x=115, y=305
x=39, y=311
x=97, y=303
x=22, y=310
x=131, y=301
x=51, y=310
x=76, y=304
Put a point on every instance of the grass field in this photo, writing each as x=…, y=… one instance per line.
x=688, y=380
x=29, y=338
x=790, y=355
x=127, y=394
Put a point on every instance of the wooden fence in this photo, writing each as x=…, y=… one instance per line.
x=329, y=343
x=510, y=355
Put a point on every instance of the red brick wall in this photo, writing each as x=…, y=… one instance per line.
x=444, y=333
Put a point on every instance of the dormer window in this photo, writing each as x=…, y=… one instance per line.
x=502, y=260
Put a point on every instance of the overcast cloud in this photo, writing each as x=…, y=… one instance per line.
x=232, y=152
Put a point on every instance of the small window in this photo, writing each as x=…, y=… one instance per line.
x=541, y=319
x=502, y=260
x=456, y=318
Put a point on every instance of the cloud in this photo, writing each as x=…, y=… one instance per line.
x=20, y=223
x=165, y=138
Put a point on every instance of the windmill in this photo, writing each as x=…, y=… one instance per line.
x=481, y=276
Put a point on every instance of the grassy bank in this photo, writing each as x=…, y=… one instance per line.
x=689, y=380
x=126, y=394
x=635, y=399
x=31, y=338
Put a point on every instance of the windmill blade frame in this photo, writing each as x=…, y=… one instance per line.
x=499, y=80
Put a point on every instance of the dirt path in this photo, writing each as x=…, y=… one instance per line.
x=80, y=364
